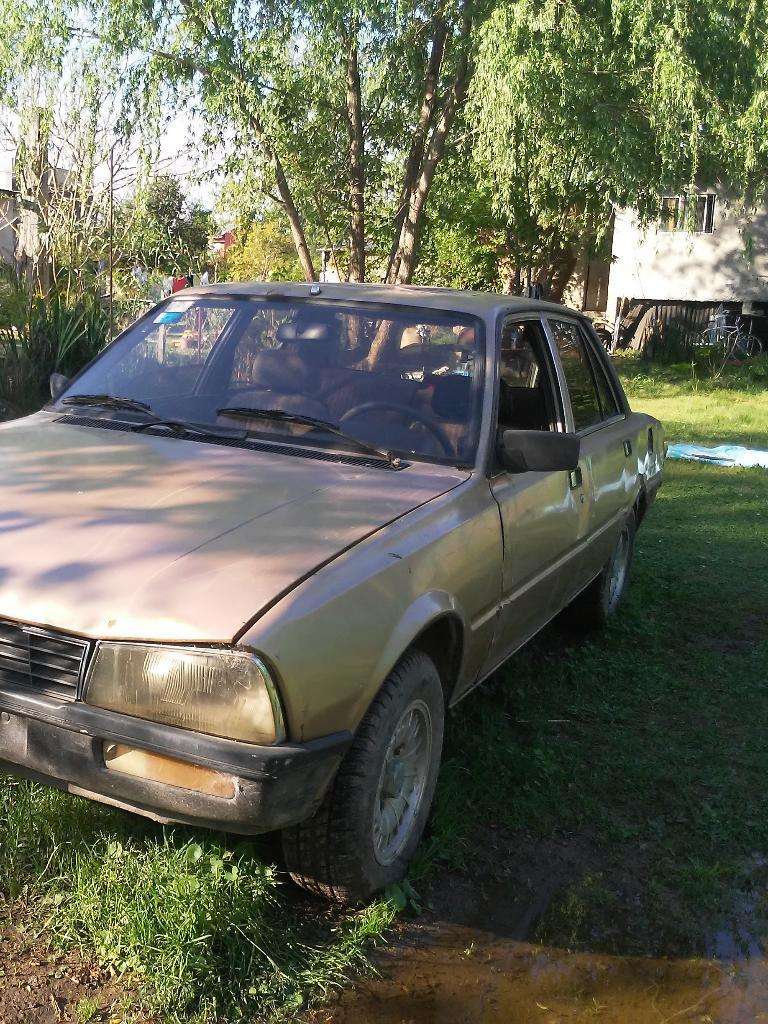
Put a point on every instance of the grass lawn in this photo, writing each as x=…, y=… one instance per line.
x=640, y=754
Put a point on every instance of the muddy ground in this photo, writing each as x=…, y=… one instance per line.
x=470, y=956
x=447, y=974
x=39, y=986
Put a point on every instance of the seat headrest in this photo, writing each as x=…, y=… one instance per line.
x=301, y=330
x=451, y=397
x=282, y=371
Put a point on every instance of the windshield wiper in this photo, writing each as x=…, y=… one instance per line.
x=247, y=413
x=180, y=428
x=109, y=402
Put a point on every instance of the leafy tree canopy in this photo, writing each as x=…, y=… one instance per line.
x=267, y=253
x=163, y=230
x=578, y=104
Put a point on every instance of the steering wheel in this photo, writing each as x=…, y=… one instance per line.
x=407, y=413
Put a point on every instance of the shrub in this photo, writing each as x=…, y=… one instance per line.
x=39, y=336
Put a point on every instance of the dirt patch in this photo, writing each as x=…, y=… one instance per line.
x=41, y=986
x=512, y=882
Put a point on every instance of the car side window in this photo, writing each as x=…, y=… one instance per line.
x=577, y=369
x=609, y=406
x=525, y=395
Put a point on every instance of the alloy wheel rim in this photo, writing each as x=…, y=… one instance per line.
x=619, y=567
x=402, y=782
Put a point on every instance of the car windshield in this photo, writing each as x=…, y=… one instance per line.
x=405, y=380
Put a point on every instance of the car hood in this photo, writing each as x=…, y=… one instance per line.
x=114, y=534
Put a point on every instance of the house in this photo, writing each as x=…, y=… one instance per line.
x=8, y=218
x=704, y=251
x=219, y=245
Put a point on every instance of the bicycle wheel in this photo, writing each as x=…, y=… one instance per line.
x=746, y=346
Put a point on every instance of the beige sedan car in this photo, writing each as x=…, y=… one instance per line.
x=252, y=552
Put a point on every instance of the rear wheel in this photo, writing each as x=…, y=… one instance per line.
x=370, y=823
x=595, y=605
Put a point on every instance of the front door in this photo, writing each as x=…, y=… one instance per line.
x=545, y=516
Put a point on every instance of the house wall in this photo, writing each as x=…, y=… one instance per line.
x=588, y=286
x=684, y=266
x=8, y=216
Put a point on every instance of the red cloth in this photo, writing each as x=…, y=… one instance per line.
x=179, y=283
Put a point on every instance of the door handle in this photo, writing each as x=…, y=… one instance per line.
x=576, y=478
x=627, y=448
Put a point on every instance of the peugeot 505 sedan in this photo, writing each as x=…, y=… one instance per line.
x=252, y=553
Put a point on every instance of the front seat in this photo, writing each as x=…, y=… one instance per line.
x=281, y=380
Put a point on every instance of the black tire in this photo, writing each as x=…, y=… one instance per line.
x=334, y=853
x=601, y=599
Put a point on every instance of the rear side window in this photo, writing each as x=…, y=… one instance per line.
x=608, y=403
x=585, y=402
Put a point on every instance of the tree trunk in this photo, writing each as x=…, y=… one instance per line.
x=32, y=175
x=281, y=182
x=286, y=197
x=404, y=264
x=356, y=165
x=294, y=219
x=418, y=142
x=561, y=272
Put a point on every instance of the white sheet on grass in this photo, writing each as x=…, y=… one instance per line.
x=720, y=455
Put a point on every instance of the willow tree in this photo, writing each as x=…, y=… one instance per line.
x=339, y=112
x=581, y=104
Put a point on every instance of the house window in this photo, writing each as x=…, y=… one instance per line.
x=681, y=213
x=671, y=208
x=704, y=221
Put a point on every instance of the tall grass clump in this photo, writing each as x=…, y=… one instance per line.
x=40, y=335
x=203, y=926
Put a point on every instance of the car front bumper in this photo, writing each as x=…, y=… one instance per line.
x=61, y=743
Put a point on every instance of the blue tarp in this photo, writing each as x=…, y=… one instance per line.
x=721, y=455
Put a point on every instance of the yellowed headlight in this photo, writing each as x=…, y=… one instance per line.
x=222, y=693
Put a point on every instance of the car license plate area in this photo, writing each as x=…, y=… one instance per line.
x=13, y=737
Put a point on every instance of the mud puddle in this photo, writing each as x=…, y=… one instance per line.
x=457, y=975
x=471, y=959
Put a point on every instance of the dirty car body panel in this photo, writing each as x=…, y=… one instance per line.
x=322, y=561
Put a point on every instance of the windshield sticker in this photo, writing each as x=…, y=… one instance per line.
x=170, y=316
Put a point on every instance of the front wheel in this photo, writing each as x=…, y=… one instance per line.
x=371, y=821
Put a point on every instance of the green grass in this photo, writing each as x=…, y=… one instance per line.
x=730, y=407
x=202, y=924
x=644, y=746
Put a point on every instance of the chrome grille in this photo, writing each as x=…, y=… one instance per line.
x=47, y=662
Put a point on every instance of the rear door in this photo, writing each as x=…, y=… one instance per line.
x=607, y=457
x=545, y=516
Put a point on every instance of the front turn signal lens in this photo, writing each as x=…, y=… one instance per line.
x=222, y=693
x=143, y=764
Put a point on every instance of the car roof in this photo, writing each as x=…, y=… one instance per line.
x=478, y=303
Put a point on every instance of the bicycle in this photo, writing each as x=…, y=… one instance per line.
x=733, y=339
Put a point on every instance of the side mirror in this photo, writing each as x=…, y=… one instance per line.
x=538, y=451
x=58, y=383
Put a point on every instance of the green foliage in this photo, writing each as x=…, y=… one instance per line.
x=162, y=230
x=576, y=105
x=39, y=336
x=465, y=243
x=198, y=922
x=266, y=253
